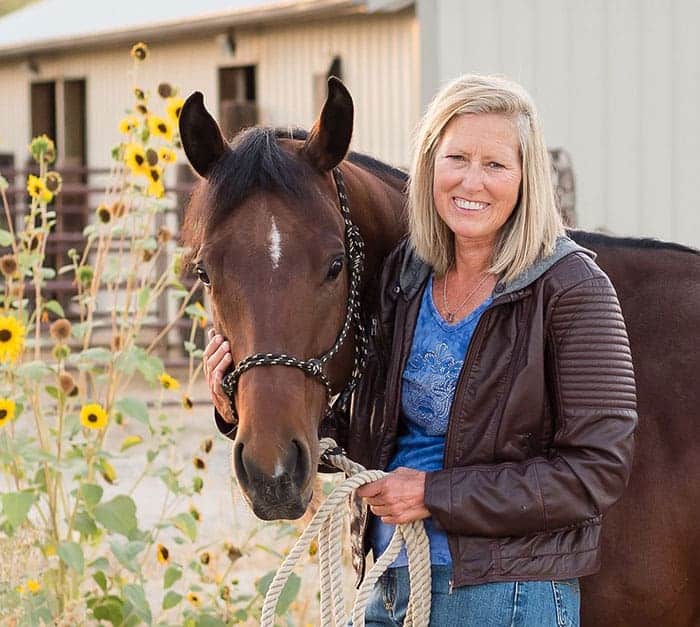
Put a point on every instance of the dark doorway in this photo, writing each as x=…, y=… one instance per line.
x=238, y=107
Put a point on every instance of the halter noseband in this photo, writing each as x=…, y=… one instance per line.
x=315, y=367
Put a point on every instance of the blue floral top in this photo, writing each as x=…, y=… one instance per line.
x=428, y=385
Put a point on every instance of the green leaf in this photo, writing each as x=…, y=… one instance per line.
x=172, y=574
x=100, y=580
x=16, y=506
x=195, y=311
x=34, y=370
x=55, y=307
x=91, y=493
x=72, y=554
x=78, y=331
x=101, y=563
x=5, y=237
x=109, y=608
x=151, y=367
x=171, y=599
x=185, y=523
x=48, y=273
x=135, y=595
x=52, y=391
x=289, y=592
x=205, y=620
x=85, y=524
x=127, y=552
x=118, y=515
x=133, y=407
x=96, y=356
x=144, y=295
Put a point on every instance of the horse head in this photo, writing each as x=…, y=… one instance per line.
x=269, y=238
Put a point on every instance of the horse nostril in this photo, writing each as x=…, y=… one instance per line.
x=301, y=467
x=239, y=465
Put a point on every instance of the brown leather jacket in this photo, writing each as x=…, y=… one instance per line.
x=541, y=430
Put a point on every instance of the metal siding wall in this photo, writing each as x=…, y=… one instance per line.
x=379, y=68
x=617, y=84
x=380, y=65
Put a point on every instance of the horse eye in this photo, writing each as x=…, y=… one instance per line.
x=334, y=269
x=202, y=275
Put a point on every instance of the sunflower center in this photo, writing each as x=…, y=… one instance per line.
x=5, y=335
x=3, y=414
x=92, y=418
x=155, y=176
x=139, y=159
x=162, y=128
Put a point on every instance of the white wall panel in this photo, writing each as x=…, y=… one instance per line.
x=380, y=66
x=617, y=83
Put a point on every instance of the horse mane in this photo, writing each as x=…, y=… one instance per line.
x=590, y=239
x=255, y=161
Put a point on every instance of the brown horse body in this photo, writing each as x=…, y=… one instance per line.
x=265, y=232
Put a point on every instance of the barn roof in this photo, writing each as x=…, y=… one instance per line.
x=54, y=25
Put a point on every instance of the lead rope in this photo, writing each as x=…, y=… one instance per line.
x=327, y=523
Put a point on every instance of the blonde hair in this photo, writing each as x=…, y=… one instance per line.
x=533, y=227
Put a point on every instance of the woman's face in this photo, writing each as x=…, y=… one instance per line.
x=477, y=176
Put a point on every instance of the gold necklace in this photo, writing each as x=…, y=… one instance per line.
x=450, y=314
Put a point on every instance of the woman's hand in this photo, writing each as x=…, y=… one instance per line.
x=397, y=498
x=216, y=359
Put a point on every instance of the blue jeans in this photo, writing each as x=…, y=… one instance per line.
x=512, y=604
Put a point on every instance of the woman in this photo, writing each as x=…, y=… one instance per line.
x=499, y=392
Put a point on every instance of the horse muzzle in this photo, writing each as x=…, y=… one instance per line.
x=283, y=493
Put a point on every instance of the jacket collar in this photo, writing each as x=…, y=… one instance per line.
x=415, y=271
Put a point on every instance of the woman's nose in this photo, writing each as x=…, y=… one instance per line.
x=473, y=179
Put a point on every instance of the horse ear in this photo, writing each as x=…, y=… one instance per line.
x=329, y=138
x=200, y=135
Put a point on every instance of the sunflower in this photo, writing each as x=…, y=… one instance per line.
x=7, y=411
x=160, y=127
x=60, y=330
x=155, y=185
x=187, y=402
x=104, y=214
x=173, y=108
x=194, y=599
x=162, y=554
x=42, y=147
x=11, y=338
x=168, y=382
x=33, y=586
x=139, y=51
x=54, y=182
x=199, y=463
x=128, y=124
x=93, y=416
x=8, y=265
x=167, y=155
x=37, y=189
x=135, y=158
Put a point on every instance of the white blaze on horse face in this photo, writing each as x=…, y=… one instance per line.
x=275, y=246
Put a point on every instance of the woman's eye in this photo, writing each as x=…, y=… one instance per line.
x=495, y=165
x=202, y=275
x=456, y=157
x=334, y=269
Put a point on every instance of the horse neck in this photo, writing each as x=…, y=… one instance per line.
x=377, y=208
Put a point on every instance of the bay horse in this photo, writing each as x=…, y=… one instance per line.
x=266, y=235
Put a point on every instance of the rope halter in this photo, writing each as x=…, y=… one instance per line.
x=315, y=367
